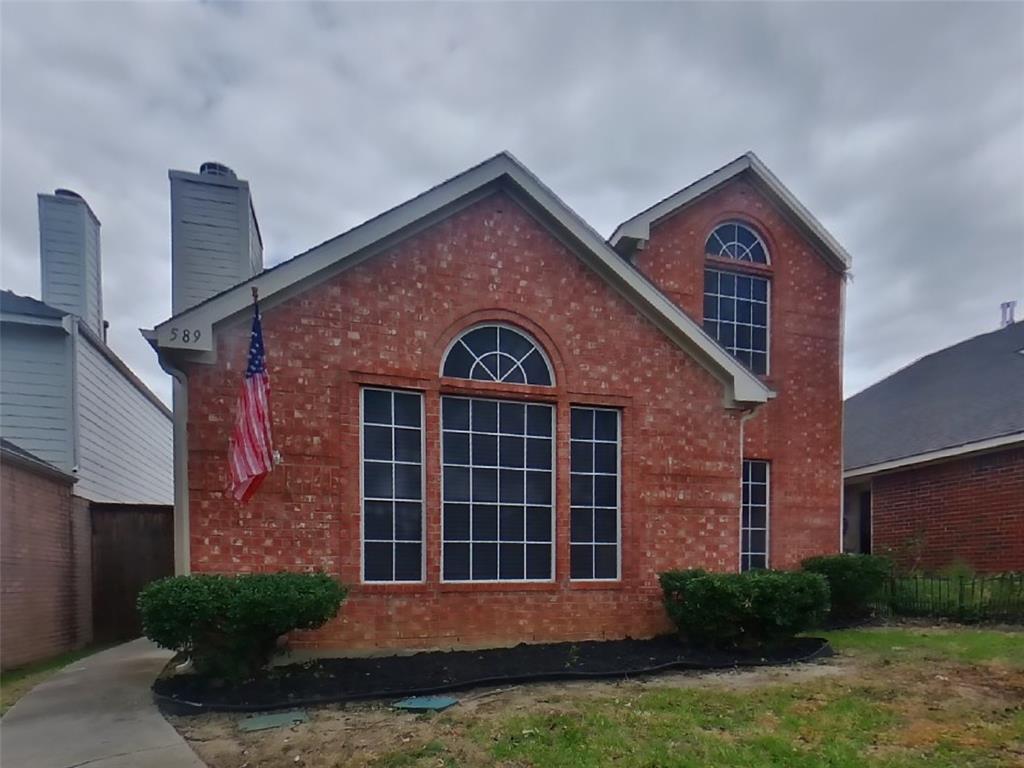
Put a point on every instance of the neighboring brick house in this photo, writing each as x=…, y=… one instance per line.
x=68, y=401
x=934, y=459
x=498, y=426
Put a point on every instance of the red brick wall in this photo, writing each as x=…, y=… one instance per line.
x=800, y=431
x=387, y=321
x=969, y=510
x=45, y=568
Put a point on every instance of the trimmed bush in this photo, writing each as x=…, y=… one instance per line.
x=230, y=625
x=856, y=582
x=743, y=609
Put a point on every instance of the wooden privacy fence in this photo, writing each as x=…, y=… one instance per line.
x=131, y=546
x=961, y=598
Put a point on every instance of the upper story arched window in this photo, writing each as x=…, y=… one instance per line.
x=497, y=353
x=735, y=240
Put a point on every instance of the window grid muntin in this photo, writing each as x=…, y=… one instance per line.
x=725, y=241
x=749, y=353
x=747, y=509
x=525, y=505
x=591, y=443
x=394, y=499
x=478, y=363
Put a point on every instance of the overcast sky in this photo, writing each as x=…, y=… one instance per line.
x=900, y=126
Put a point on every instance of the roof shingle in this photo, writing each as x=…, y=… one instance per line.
x=969, y=392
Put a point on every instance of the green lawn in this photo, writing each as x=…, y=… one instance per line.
x=899, y=698
x=15, y=683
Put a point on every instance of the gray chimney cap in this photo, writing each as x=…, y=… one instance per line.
x=212, y=168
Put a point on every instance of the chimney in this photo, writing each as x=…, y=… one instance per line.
x=1007, y=308
x=215, y=239
x=69, y=255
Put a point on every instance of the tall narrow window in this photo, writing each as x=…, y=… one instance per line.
x=497, y=490
x=736, y=315
x=392, y=485
x=595, y=476
x=754, y=529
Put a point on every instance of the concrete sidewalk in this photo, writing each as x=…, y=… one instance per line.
x=97, y=712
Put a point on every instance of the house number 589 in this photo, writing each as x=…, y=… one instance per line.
x=187, y=335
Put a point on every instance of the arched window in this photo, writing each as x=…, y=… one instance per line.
x=736, y=304
x=735, y=240
x=497, y=353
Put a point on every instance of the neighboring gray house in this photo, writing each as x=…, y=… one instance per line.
x=65, y=397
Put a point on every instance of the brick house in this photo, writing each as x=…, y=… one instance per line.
x=498, y=426
x=934, y=459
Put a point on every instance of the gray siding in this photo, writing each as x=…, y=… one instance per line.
x=212, y=233
x=69, y=249
x=35, y=391
x=125, y=441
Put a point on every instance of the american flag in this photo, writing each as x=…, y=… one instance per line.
x=252, y=453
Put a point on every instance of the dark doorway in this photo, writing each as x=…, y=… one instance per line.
x=865, y=522
x=131, y=546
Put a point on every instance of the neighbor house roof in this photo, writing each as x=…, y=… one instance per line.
x=963, y=398
x=13, y=304
x=15, y=454
x=504, y=172
x=636, y=230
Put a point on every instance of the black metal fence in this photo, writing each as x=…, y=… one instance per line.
x=961, y=598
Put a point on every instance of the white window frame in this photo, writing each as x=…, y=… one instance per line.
x=767, y=317
x=362, y=490
x=554, y=488
x=767, y=515
x=618, y=491
x=508, y=326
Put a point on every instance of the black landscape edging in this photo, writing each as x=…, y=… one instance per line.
x=171, y=704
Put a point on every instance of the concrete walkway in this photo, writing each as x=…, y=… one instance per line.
x=97, y=712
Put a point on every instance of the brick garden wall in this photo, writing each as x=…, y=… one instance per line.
x=387, y=322
x=45, y=567
x=969, y=510
x=800, y=431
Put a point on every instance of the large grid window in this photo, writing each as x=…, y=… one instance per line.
x=497, y=490
x=754, y=529
x=392, y=443
x=736, y=315
x=595, y=477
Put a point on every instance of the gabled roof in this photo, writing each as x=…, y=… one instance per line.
x=13, y=304
x=959, y=399
x=638, y=229
x=502, y=171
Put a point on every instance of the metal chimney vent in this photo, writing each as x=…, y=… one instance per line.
x=1007, y=308
x=216, y=169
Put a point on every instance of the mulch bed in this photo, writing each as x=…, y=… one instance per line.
x=348, y=679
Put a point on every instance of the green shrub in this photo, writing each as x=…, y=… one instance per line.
x=230, y=625
x=747, y=609
x=856, y=582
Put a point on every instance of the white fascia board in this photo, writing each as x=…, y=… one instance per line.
x=334, y=254
x=638, y=228
x=50, y=322
x=942, y=454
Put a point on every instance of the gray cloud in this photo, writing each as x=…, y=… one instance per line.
x=900, y=125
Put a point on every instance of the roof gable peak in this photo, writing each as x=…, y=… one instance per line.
x=637, y=229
